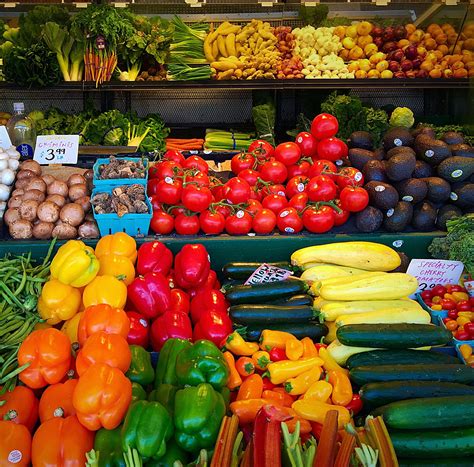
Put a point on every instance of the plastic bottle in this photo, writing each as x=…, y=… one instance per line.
x=22, y=132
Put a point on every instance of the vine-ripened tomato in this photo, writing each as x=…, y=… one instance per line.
x=212, y=222
x=275, y=203
x=226, y=211
x=275, y=189
x=239, y=223
x=199, y=178
x=216, y=190
x=264, y=222
x=296, y=185
x=273, y=171
x=318, y=220
x=255, y=193
x=168, y=191
x=236, y=190
x=341, y=217
x=250, y=176
x=186, y=225
x=196, y=162
x=307, y=144
x=300, y=168
x=174, y=155
x=162, y=223
x=242, y=161
x=349, y=176
x=196, y=198
x=165, y=169
x=289, y=221
x=321, y=188
x=287, y=153
x=155, y=203
x=324, y=126
x=353, y=199
x=332, y=149
x=299, y=201
x=323, y=167
x=253, y=206
x=262, y=149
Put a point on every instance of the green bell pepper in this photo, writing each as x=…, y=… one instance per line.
x=165, y=395
x=140, y=370
x=147, y=428
x=166, y=366
x=202, y=363
x=138, y=393
x=198, y=413
x=173, y=454
x=108, y=448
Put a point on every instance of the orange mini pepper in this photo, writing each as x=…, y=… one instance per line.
x=329, y=362
x=251, y=388
x=236, y=344
x=274, y=339
x=294, y=349
x=16, y=441
x=305, y=426
x=234, y=378
x=117, y=244
x=56, y=400
x=280, y=398
x=245, y=366
x=261, y=359
x=315, y=411
x=341, y=387
x=247, y=409
x=301, y=383
x=309, y=349
x=320, y=390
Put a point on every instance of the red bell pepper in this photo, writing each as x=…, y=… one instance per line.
x=139, y=329
x=355, y=405
x=172, y=324
x=154, y=257
x=210, y=283
x=208, y=300
x=191, y=266
x=213, y=326
x=180, y=301
x=150, y=294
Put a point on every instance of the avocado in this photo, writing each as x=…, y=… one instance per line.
x=412, y=190
x=398, y=150
x=431, y=150
x=361, y=140
x=424, y=130
x=438, y=189
x=404, y=264
x=379, y=154
x=359, y=157
x=456, y=168
x=382, y=195
x=398, y=218
x=463, y=150
x=400, y=166
x=446, y=213
x=424, y=217
x=369, y=220
x=397, y=136
x=462, y=195
x=374, y=170
x=422, y=170
x=453, y=137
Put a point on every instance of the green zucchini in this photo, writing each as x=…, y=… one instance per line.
x=399, y=357
x=295, y=300
x=245, y=270
x=449, y=373
x=261, y=293
x=378, y=394
x=433, y=443
x=260, y=314
x=447, y=462
x=393, y=336
x=313, y=330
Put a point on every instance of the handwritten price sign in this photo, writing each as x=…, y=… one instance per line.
x=56, y=149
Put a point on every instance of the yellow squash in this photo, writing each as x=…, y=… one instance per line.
x=383, y=317
x=316, y=286
x=319, y=273
x=340, y=352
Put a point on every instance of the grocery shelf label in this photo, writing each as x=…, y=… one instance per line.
x=5, y=142
x=56, y=149
x=267, y=273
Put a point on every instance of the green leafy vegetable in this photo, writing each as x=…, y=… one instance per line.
x=264, y=116
x=313, y=15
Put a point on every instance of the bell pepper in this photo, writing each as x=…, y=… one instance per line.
x=171, y=324
x=173, y=453
x=309, y=349
x=355, y=405
x=150, y=294
x=15, y=439
x=119, y=266
x=70, y=327
x=198, y=412
x=104, y=318
x=117, y=244
x=191, y=266
x=251, y=388
x=48, y=352
x=138, y=393
x=105, y=289
x=237, y=345
x=342, y=388
x=329, y=362
x=315, y=411
x=154, y=257
x=210, y=283
x=140, y=370
x=108, y=448
x=202, y=363
x=56, y=400
x=101, y=347
x=19, y=406
x=180, y=301
x=139, y=329
x=261, y=359
x=271, y=339
x=235, y=379
x=102, y=397
x=164, y=394
x=213, y=326
x=284, y=370
x=320, y=390
x=301, y=383
x=74, y=264
x=208, y=300
x=58, y=302
x=294, y=349
x=166, y=367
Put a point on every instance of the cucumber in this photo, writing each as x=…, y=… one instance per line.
x=313, y=330
x=399, y=357
x=378, y=394
x=261, y=293
x=433, y=444
x=295, y=300
x=449, y=373
x=447, y=462
x=256, y=314
x=245, y=270
x=393, y=336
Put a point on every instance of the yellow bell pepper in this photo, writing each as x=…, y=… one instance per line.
x=285, y=369
x=329, y=362
x=274, y=339
x=315, y=411
x=119, y=266
x=70, y=326
x=74, y=264
x=58, y=302
x=309, y=349
x=300, y=384
x=237, y=345
x=105, y=289
x=320, y=390
x=117, y=244
x=294, y=349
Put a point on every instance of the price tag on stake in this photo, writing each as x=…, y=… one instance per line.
x=56, y=149
x=5, y=142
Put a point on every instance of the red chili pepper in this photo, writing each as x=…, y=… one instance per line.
x=150, y=294
x=355, y=405
x=139, y=329
x=191, y=266
x=277, y=355
x=208, y=300
x=154, y=257
x=213, y=326
x=180, y=301
x=319, y=346
x=267, y=384
x=172, y=324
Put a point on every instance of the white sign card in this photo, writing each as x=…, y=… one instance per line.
x=56, y=149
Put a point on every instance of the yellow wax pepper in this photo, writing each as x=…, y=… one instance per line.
x=117, y=244
x=274, y=339
x=58, y=302
x=285, y=369
x=294, y=349
x=320, y=390
x=301, y=383
x=119, y=266
x=329, y=362
x=105, y=289
x=237, y=345
x=315, y=411
x=70, y=326
x=74, y=264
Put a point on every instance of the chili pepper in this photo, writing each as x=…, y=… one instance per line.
x=180, y=301
x=309, y=349
x=320, y=390
x=208, y=300
x=117, y=244
x=213, y=326
x=341, y=387
x=70, y=327
x=56, y=400
x=235, y=379
x=139, y=329
x=165, y=394
x=58, y=302
x=154, y=257
x=138, y=393
x=294, y=349
x=301, y=383
x=320, y=345
x=140, y=370
x=19, y=406
x=150, y=294
x=271, y=339
x=261, y=359
x=108, y=445
x=105, y=289
x=236, y=344
x=15, y=439
x=277, y=355
x=191, y=266
x=171, y=324
x=267, y=384
x=279, y=398
x=166, y=367
x=315, y=411
x=245, y=366
x=329, y=362
x=251, y=388
x=118, y=266
x=355, y=405
x=286, y=369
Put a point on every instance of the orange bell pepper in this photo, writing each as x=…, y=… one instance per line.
x=105, y=318
x=294, y=349
x=101, y=347
x=247, y=409
x=71, y=326
x=341, y=387
x=19, y=406
x=251, y=388
x=280, y=398
x=62, y=442
x=48, y=351
x=102, y=397
x=261, y=359
x=117, y=244
x=119, y=266
x=15, y=448
x=105, y=289
x=309, y=349
x=234, y=378
x=56, y=401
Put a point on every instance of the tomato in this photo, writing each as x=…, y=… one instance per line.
x=349, y=176
x=256, y=194
x=461, y=335
x=289, y=221
x=324, y=126
x=427, y=295
x=318, y=220
x=264, y=222
x=169, y=191
x=451, y=325
x=275, y=203
x=162, y=223
x=300, y=168
x=438, y=290
x=469, y=328
x=273, y=171
x=471, y=301
x=176, y=211
x=287, y=153
x=341, y=217
x=239, y=223
x=354, y=199
x=196, y=198
x=225, y=210
x=236, y=190
x=250, y=176
x=463, y=305
x=196, y=162
x=296, y=185
x=242, y=161
x=332, y=149
x=307, y=144
x=199, y=178
x=321, y=188
x=253, y=206
x=165, y=169
x=212, y=222
x=299, y=201
x=448, y=304
x=262, y=149
x=323, y=167
x=174, y=155
x=186, y=225
x=155, y=203
x=455, y=288
x=276, y=189
x=453, y=314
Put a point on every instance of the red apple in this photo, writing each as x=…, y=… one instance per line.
x=394, y=66
x=406, y=65
x=411, y=52
x=421, y=74
x=377, y=31
x=399, y=74
x=398, y=55
x=388, y=34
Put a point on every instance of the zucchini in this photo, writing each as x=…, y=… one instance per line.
x=313, y=330
x=399, y=357
x=245, y=270
x=295, y=300
x=449, y=373
x=256, y=314
x=261, y=293
x=433, y=443
x=378, y=394
x=393, y=336
x=447, y=462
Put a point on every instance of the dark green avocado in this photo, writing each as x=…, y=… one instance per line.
x=398, y=218
x=382, y=195
x=453, y=137
x=360, y=157
x=462, y=194
x=398, y=150
x=456, y=168
x=412, y=190
x=400, y=166
x=369, y=220
x=422, y=170
x=424, y=130
x=431, y=150
x=439, y=189
x=361, y=139
x=397, y=136
x=374, y=170
x=424, y=217
x=446, y=213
